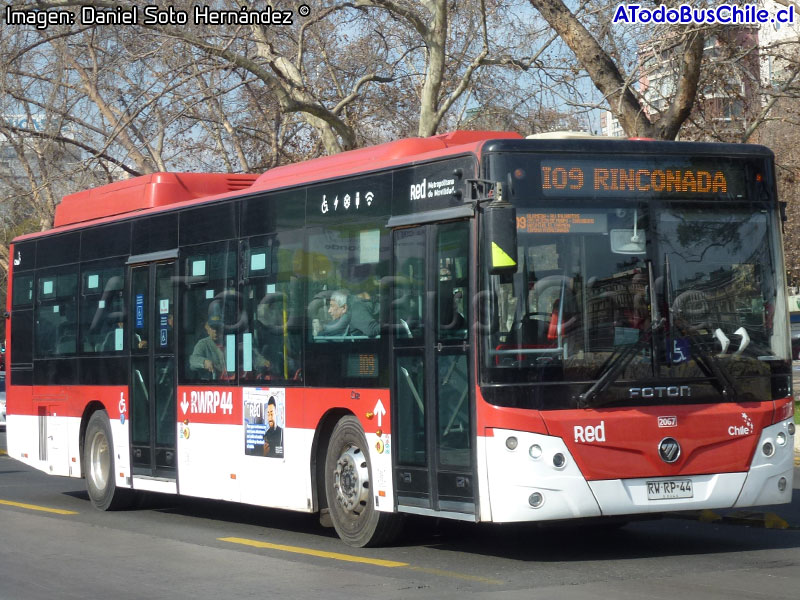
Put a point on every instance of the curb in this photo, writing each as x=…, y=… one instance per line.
x=764, y=520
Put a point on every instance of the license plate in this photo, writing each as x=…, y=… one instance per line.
x=668, y=490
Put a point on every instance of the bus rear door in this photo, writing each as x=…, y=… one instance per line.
x=152, y=386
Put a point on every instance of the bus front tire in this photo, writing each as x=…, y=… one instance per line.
x=348, y=489
x=98, y=461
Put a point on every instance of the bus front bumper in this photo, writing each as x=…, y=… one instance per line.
x=538, y=480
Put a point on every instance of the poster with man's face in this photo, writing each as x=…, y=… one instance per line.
x=264, y=421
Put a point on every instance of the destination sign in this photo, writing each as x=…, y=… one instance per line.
x=636, y=177
x=561, y=222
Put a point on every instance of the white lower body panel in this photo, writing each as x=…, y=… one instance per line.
x=212, y=464
x=760, y=485
x=514, y=476
x=526, y=485
x=763, y=484
x=153, y=484
x=629, y=496
x=48, y=443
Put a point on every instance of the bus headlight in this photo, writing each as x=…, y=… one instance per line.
x=511, y=443
x=781, y=439
x=535, y=451
x=559, y=460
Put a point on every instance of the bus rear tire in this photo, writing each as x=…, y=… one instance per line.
x=348, y=489
x=99, y=464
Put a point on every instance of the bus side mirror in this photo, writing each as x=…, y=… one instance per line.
x=500, y=235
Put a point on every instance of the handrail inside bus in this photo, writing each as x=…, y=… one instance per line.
x=414, y=392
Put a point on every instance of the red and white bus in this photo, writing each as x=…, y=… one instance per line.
x=471, y=326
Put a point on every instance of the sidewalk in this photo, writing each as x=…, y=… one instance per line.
x=797, y=448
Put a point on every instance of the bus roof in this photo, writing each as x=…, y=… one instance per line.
x=373, y=157
x=147, y=191
x=159, y=190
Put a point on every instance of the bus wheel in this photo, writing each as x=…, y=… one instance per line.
x=348, y=477
x=98, y=461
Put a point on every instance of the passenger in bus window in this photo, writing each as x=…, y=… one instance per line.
x=208, y=357
x=349, y=317
x=112, y=342
x=340, y=319
x=140, y=342
x=362, y=318
x=268, y=333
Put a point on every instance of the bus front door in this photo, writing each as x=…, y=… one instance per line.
x=152, y=385
x=432, y=420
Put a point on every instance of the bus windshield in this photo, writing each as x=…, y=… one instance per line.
x=638, y=302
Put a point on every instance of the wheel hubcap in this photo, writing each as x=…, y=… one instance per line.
x=99, y=460
x=351, y=480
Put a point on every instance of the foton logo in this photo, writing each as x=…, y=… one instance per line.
x=672, y=391
x=667, y=421
x=590, y=433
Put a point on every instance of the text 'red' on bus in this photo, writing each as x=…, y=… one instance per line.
x=471, y=326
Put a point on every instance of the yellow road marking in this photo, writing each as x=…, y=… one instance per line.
x=312, y=552
x=57, y=511
x=359, y=559
x=3, y=453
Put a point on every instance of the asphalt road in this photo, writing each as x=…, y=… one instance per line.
x=189, y=548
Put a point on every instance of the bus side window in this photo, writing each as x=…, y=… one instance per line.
x=23, y=291
x=269, y=349
x=273, y=307
x=22, y=305
x=103, y=315
x=210, y=318
x=344, y=271
x=56, y=313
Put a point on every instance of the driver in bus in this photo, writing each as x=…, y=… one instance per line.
x=208, y=355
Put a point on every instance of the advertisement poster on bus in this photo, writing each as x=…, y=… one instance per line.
x=264, y=421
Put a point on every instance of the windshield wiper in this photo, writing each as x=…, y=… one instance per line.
x=709, y=364
x=616, y=366
x=704, y=358
x=700, y=352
